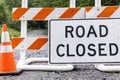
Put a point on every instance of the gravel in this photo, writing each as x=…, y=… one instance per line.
x=81, y=72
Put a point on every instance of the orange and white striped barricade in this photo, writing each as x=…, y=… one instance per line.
x=38, y=43
x=47, y=13
x=104, y=12
x=26, y=13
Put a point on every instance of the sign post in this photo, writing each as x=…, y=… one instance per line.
x=84, y=41
x=23, y=31
x=97, y=3
x=72, y=3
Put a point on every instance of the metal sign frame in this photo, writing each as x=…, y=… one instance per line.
x=57, y=36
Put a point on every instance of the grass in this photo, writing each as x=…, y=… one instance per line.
x=12, y=32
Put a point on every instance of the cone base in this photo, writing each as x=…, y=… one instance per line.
x=7, y=62
x=11, y=73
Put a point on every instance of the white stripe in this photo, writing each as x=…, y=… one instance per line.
x=94, y=12
x=45, y=46
x=14, y=9
x=55, y=14
x=5, y=37
x=32, y=12
x=26, y=43
x=6, y=48
x=80, y=14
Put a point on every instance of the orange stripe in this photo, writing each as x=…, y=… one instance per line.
x=69, y=13
x=16, y=42
x=43, y=13
x=5, y=43
x=88, y=9
x=38, y=44
x=108, y=11
x=19, y=13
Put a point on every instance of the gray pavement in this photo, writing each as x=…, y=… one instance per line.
x=81, y=72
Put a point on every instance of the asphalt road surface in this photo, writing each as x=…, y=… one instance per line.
x=81, y=72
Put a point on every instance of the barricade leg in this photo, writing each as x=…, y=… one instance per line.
x=44, y=67
x=24, y=64
x=107, y=68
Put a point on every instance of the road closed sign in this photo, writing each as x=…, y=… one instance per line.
x=84, y=41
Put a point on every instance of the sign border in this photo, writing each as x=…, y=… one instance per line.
x=49, y=41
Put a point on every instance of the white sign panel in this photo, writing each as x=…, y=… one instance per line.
x=84, y=41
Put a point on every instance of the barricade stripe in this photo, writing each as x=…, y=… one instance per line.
x=80, y=14
x=69, y=13
x=19, y=13
x=25, y=43
x=53, y=15
x=88, y=9
x=38, y=43
x=46, y=13
x=29, y=43
x=16, y=42
x=108, y=11
x=30, y=13
x=43, y=14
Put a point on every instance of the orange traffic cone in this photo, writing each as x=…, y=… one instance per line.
x=7, y=61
